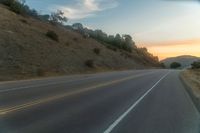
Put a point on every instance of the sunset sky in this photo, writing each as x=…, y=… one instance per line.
x=166, y=27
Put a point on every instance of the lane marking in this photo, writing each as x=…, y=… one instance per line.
x=119, y=119
x=43, y=85
x=45, y=100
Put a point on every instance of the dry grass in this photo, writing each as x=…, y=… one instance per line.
x=26, y=51
x=192, y=77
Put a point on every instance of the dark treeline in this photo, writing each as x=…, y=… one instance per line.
x=115, y=42
x=124, y=42
x=19, y=7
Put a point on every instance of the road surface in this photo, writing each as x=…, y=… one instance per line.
x=138, y=101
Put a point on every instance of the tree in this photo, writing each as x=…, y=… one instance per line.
x=118, y=41
x=7, y=2
x=129, y=41
x=18, y=6
x=52, y=35
x=45, y=17
x=175, y=65
x=195, y=65
x=162, y=65
x=58, y=17
x=77, y=26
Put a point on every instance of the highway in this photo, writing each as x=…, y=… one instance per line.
x=134, y=101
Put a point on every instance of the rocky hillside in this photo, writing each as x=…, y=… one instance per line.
x=26, y=51
x=185, y=60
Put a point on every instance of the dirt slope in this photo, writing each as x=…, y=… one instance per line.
x=25, y=50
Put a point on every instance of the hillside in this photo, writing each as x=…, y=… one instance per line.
x=184, y=60
x=26, y=51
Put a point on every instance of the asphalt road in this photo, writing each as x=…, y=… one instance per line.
x=139, y=101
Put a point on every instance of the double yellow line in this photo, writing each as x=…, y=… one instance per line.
x=48, y=99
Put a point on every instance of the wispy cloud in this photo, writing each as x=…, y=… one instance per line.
x=86, y=8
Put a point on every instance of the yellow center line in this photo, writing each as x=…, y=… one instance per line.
x=45, y=100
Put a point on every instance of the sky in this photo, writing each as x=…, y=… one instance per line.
x=166, y=27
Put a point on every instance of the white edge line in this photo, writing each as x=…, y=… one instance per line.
x=116, y=122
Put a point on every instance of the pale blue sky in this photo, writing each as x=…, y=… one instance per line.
x=148, y=21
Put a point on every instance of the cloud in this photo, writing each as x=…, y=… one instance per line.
x=86, y=8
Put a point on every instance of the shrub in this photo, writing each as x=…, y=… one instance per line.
x=24, y=21
x=75, y=39
x=40, y=72
x=90, y=63
x=7, y=2
x=97, y=51
x=52, y=35
x=67, y=43
x=195, y=65
x=162, y=65
x=17, y=7
x=85, y=35
x=111, y=47
x=175, y=65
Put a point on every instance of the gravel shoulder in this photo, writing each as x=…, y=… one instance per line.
x=191, y=80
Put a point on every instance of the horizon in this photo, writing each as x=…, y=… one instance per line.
x=92, y=66
x=166, y=28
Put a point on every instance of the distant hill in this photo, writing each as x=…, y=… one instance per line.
x=184, y=60
x=26, y=51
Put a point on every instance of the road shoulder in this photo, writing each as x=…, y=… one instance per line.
x=191, y=81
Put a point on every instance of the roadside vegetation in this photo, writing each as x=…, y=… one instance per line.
x=51, y=34
x=34, y=44
x=90, y=63
x=191, y=78
x=196, y=65
x=20, y=7
x=184, y=60
x=113, y=42
x=175, y=65
x=124, y=42
x=97, y=51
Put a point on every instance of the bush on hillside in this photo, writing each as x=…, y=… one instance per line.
x=124, y=42
x=67, y=43
x=97, y=51
x=17, y=7
x=40, y=72
x=20, y=7
x=75, y=39
x=162, y=65
x=196, y=65
x=7, y=2
x=90, y=63
x=52, y=35
x=175, y=65
x=111, y=47
x=24, y=21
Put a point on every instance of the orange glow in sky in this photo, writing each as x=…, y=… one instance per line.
x=176, y=48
